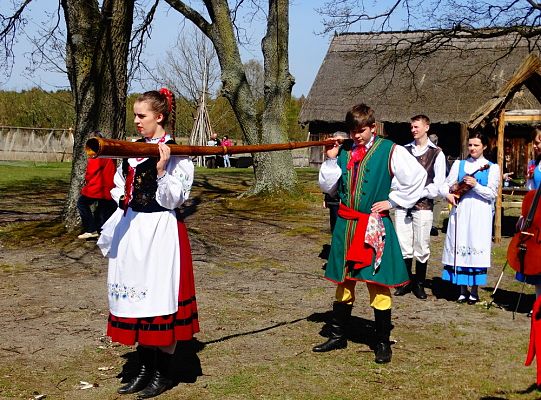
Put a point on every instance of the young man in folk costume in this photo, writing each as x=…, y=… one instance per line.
x=413, y=225
x=364, y=244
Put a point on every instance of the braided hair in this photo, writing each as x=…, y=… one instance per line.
x=162, y=102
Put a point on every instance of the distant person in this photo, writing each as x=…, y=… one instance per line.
x=213, y=140
x=212, y=161
x=467, y=250
x=227, y=143
x=413, y=225
x=150, y=281
x=96, y=190
x=364, y=244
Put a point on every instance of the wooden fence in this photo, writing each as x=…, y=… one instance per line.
x=35, y=144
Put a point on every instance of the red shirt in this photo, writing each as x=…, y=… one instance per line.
x=227, y=142
x=99, y=178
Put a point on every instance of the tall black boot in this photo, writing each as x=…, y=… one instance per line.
x=383, y=350
x=402, y=290
x=147, y=361
x=161, y=380
x=419, y=283
x=337, y=339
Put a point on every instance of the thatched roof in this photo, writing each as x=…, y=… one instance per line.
x=447, y=83
x=527, y=75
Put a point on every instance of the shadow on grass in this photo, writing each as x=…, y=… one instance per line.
x=533, y=388
x=358, y=330
x=442, y=289
x=511, y=301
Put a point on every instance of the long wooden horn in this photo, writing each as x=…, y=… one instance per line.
x=109, y=148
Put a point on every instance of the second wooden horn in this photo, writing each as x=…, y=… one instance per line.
x=111, y=148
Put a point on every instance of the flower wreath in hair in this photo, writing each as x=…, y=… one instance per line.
x=169, y=96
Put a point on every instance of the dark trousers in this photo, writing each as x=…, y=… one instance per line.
x=333, y=214
x=92, y=222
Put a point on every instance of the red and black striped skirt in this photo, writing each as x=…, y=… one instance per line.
x=166, y=329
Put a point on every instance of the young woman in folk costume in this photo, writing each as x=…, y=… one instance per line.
x=466, y=253
x=150, y=280
x=533, y=183
x=364, y=244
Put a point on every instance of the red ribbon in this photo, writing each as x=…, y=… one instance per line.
x=535, y=339
x=128, y=187
x=169, y=96
x=357, y=155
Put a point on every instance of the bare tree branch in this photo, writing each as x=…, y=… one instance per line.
x=10, y=25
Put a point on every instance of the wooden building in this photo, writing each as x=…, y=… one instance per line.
x=448, y=82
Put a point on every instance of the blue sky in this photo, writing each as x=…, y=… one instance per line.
x=307, y=48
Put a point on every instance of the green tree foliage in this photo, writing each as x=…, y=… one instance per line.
x=37, y=108
x=41, y=109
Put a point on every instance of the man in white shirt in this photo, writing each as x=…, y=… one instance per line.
x=413, y=225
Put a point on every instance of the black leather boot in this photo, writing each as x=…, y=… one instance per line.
x=161, y=380
x=419, y=283
x=383, y=349
x=337, y=339
x=402, y=290
x=147, y=361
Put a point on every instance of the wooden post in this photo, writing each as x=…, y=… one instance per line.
x=463, y=141
x=498, y=215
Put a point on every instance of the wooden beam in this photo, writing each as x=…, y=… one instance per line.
x=463, y=140
x=522, y=118
x=498, y=215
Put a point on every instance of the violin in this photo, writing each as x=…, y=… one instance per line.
x=459, y=189
x=524, y=251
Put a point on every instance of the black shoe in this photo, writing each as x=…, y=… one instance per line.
x=383, y=353
x=157, y=386
x=138, y=383
x=333, y=343
x=147, y=361
x=402, y=290
x=419, y=291
x=473, y=299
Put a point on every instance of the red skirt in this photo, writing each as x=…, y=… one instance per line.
x=166, y=329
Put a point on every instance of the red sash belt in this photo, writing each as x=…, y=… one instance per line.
x=535, y=339
x=360, y=252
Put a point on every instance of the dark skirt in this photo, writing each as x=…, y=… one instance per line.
x=166, y=329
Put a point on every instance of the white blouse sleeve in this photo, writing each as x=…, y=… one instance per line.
x=174, y=187
x=451, y=179
x=490, y=191
x=409, y=178
x=120, y=182
x=329, y=174
x=432, y=191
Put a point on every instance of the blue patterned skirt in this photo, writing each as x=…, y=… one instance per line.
x=465, y=275
x=530, y=279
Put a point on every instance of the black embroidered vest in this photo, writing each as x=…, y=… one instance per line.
x=144, y=184
x=427, y=160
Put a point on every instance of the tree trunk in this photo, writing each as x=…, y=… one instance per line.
x=273, y=171
x=96, y=60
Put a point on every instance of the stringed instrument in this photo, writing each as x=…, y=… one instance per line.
x=459, y=189
x=524, y=251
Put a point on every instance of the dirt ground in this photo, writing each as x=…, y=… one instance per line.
x=262, y=305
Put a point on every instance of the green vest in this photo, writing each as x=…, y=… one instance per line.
x=359, y=191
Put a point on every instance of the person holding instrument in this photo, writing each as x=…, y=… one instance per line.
x=471, y=188
x=150, y=280
x=533, y=183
